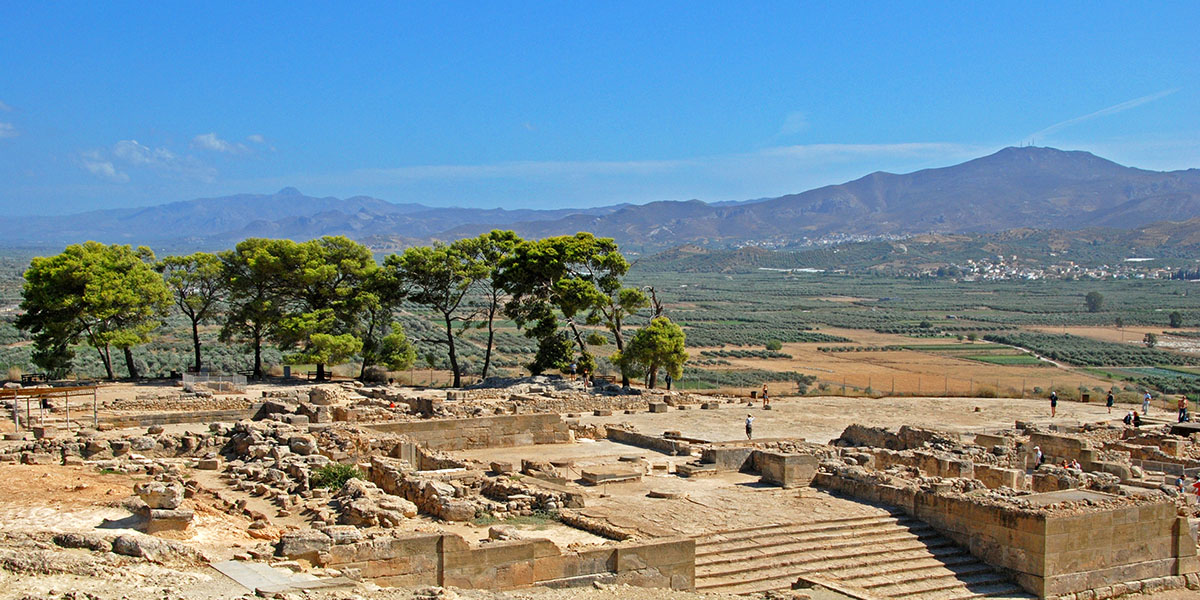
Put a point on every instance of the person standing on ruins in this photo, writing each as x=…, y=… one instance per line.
x=1146, y=403
x=1053, y=403
x=1109, y=401
x=1038, y=457
x=766, y=399
x=749, y=427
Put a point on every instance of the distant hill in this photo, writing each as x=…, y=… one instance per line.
x=222, y=222
x=1015, y=188
x=1172, y=243
x=1040, y=188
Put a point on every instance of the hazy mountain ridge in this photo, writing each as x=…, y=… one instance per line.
x=1028, y=187
x=1171, y=242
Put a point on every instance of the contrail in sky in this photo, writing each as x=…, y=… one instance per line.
x=1112, y=110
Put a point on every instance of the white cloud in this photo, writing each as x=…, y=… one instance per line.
x=8, y=131
x=1104, y=112
x=210, y=141
x=256, y=138
x=794, y=123
x=136, y=154
x=163, y=160
x=4, y=107
x=95, y=163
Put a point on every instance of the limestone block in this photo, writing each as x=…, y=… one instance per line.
x=157, y=494
x=45, y=432
x=158, y=519
x=303, y=445
x=325, y=395
x=209, y=464
x=306, y=544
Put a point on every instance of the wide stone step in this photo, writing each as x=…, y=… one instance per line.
x=718, y=542
x=915, y=573
x=780, y=570
x=1005, y=591
x=920, y=589
x=943, y=556
x=844, y=543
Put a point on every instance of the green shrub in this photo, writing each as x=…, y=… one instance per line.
x=334, y=475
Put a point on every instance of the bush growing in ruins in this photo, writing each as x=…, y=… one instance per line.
x=659, y=345
x=334, y=475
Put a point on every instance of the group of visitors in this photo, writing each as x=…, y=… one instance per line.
x=1132, y=418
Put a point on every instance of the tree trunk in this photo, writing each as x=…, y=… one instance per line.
x=107, y=360
x=453, y=354
x=653, y=378
x=320, y=371
x=578, y=337
x=196, y=343
x=621, y=348
x=487, y=355
x=258, y=356
x=133, y=374
x=369, y=348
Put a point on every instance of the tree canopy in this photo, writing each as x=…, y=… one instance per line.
x=109, y=296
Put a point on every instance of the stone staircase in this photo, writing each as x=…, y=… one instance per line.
x=886, y=555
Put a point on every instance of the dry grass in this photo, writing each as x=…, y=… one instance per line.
x=911, y=372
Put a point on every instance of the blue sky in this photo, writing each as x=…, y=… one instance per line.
x=553, y=104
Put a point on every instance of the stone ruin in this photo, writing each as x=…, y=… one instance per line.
x=983, y=491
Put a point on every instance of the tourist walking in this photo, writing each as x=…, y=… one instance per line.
x=749, y=427
x=1053, y=404
x=1146, y=404
x=1109, y=401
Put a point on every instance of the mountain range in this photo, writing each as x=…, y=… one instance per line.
x=1026, y=187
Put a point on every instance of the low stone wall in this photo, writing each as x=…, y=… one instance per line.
x=997, y=477
x=209, y=416
x=1056, y=448
x=664, y=445
x=906, y=438
x=928, y=462
x=447, y=560
x=499, y=431
x=1050, y=554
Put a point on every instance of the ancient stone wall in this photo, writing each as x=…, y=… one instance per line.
x=208, y=416
x=906, y=438
x=447, y=560
x=1051, y=554
x=499, y=431
x=641, y=440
